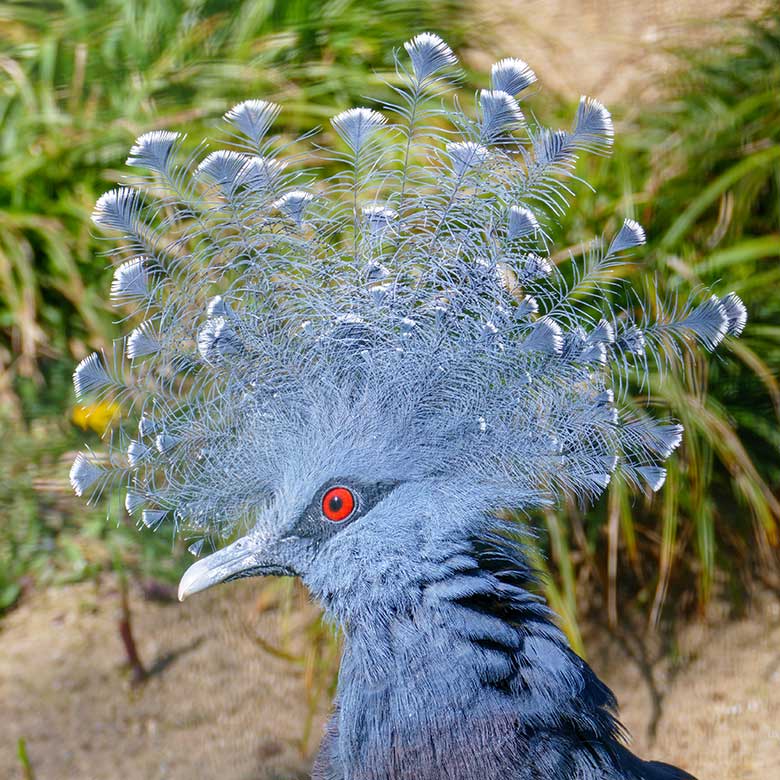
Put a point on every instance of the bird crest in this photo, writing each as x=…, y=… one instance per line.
x=385, y=305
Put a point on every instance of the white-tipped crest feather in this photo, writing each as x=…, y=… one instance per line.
x=511, y=75
x=356, y=126
x=141, y=342
x=466, y=155
x=429, y=55
x=152, y=518
x=153, y=150
x=654, y=476
x=84, y=474
x=500, y=112
x=90, y=376
x=593, y=125
x=521, y=223
x=253, y=118
x=294, y=204
x=736, y=313
x=131, y=281
x=631, y=234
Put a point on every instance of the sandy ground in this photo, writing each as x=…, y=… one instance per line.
x=215, y=706
x=611, y=49
x=218, y=705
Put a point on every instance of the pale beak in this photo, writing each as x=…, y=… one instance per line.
x=241, y=559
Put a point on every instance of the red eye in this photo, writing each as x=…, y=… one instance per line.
x=338, y=504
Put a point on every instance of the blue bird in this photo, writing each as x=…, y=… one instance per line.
x=350, y=376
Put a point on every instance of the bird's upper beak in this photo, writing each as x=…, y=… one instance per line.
x=243, y=558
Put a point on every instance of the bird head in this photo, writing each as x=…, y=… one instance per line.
x=345, y=376
x=345, y=539
x=363, y=488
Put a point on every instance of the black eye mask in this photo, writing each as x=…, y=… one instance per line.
x=315, y=525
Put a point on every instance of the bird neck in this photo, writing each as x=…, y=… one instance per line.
x=474, y=663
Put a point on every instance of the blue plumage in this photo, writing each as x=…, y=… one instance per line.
x=352, y=376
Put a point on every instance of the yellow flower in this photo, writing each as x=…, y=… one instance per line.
x=97, y=417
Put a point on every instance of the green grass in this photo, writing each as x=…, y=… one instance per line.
x=47, y=535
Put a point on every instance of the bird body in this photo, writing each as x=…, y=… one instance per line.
x=470, y=679
x=351, y=377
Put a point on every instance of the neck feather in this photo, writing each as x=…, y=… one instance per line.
x=475, y=660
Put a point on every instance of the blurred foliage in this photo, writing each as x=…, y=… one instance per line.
x=699, y=169
x=47, y=535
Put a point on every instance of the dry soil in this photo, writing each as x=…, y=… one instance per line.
x=220, y=704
